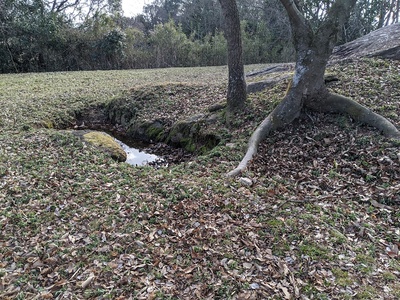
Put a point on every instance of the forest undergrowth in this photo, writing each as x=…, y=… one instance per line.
x=319, y=220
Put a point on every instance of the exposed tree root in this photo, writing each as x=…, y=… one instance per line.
x=258, y=135
x=283, y=114
x=333, y=103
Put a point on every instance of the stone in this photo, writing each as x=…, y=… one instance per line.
x=245, y=181
x=384, y=43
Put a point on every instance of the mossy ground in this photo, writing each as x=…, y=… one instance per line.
x=75, y=224
x=106, y=143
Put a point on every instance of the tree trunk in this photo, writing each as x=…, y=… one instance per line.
x=236, y=95
x=308, y=89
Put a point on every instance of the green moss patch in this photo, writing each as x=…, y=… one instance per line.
x=106, y=143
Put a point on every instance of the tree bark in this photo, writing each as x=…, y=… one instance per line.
x=236, y=95
x=313, y=49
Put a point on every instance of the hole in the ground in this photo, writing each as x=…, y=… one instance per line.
x=174, y=143
x=137, y=156
x=153, y=154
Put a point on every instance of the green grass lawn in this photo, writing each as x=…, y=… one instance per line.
x=321, y=219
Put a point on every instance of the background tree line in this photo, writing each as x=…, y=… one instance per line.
x=56, y=35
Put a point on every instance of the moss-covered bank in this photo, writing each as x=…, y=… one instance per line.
x=153, y=114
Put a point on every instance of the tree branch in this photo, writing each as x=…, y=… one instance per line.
x=295, y=16
x=337, y=16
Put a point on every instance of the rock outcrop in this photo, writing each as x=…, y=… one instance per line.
x=383, y=43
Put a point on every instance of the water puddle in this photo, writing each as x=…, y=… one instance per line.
x=137, y=157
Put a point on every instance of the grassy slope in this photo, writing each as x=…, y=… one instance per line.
x=74, y=224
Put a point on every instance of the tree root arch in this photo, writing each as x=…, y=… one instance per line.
x=335, y=103
x=332, y=103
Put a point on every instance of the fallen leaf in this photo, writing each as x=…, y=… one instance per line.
x=85, y=283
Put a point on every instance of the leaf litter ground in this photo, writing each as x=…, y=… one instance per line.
x=320, y=221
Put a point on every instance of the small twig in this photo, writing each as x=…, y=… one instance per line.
x=380, y=205
x=310, y=117
x=73, y=275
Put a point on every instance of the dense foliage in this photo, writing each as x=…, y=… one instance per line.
x=53, y=35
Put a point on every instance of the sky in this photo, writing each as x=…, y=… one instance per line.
x=133, y=7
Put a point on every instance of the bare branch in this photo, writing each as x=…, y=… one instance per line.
x=295, y=16
x=59, y=6
x=338, y=14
